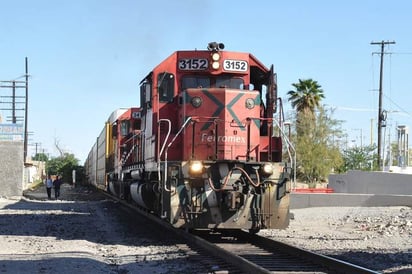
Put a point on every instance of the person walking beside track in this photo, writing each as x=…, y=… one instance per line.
x=56, y=184
x=49, y=184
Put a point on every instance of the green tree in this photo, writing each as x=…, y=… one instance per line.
x=317, y=152
x=40, y=157
x=64, y=166
x=359, y=158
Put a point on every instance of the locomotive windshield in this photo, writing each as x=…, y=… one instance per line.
x=195, y=82
x=229, y=82
x=207, y=82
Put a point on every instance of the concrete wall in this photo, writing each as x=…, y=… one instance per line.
x=303, y=200
x=360, y=189
x=11, y=168
x=362, y=182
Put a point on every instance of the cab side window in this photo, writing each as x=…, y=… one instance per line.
x=124, y=127
x=166, y=87
x=137, y=124
x=146, y=94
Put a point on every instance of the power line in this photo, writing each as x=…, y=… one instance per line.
x=352, y=108
x=402, y=53
x=399, y=107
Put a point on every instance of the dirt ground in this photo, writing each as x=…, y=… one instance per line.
x=84, y=232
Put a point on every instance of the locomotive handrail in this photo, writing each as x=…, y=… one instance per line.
x=131, y=138
x=289, y=145
x=180, y=131
x=167, y=135
x=167, y=148
x=163, y=146
x=126, y=157
x=286, y=137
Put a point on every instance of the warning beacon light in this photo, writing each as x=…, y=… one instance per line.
x=214, y=46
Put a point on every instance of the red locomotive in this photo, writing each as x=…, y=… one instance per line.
x=202, y=150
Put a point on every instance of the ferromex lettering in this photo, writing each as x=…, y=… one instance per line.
x=223, y=139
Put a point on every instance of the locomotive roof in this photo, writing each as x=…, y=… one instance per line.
x=255, y=65
x=116, y=114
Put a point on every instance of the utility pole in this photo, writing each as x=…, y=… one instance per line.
x=13, y=102
x=12, y=84
x=37, y=145
x=26, y=112
x=381, y=115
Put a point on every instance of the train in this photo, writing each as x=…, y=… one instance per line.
x=204, y=148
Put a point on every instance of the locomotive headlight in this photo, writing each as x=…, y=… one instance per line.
x=196, y=101
x=195, y=167
x=267, y=169
x=215, y=65
x=215, y=56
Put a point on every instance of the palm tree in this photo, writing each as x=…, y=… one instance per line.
x=306, y=97
x=310, y=129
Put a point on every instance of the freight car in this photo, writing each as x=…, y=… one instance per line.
x=204, y=148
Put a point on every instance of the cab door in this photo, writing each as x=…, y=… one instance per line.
x=149, y=136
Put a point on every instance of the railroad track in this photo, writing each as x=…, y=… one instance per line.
x=237, y=251
x=258, y=254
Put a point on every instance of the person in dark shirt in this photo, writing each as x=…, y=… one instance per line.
x=56, y=184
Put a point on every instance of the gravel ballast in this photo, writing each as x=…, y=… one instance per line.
x=378, y=238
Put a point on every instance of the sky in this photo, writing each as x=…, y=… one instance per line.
x=87, y=57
